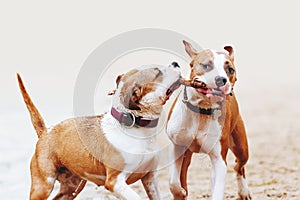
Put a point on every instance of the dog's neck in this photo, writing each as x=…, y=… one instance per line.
x=144, y=133
x=116, y=103
x=130, y=120
x=137, y=113
x=201, y=107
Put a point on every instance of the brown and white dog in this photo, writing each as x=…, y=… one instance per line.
x=112, y=150
x=208, y=121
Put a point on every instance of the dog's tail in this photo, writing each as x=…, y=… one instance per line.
x=36, y=118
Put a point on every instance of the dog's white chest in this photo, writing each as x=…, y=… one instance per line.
x=186, y=127
x=136, y=145
x=209, y=137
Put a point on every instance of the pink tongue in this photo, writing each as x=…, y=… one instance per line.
x=204, y=91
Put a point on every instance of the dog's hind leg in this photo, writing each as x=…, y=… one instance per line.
x=239, y=147
x=70, y=185
x=43, y=176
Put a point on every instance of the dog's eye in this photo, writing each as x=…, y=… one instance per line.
x=230, y=70
x=205, y=67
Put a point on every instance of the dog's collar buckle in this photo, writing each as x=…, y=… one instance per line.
x=185, y=97
x=129, y=120
x=185, y=101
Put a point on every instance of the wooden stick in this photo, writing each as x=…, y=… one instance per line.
x=194, y=84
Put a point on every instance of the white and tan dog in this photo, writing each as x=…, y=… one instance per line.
x=112, y=150
x=207, y=120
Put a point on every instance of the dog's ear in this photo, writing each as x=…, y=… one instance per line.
x=231, y=52
x=118, y=79
x=189, y=48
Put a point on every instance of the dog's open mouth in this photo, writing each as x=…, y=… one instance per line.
x=173, y=87
x=210, y=92
x=202, y=87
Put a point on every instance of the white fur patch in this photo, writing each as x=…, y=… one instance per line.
x=177, y=130
x=123, y=191
x=219, y=60
x=51, y=180
x=242, y=186
x=137, y=145
x=210, y=137
x=218, y=178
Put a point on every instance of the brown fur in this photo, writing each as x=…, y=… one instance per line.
x=61, y=151
x=77, y=149
x=72, y=151
x=36, y=118
x=233, y=132
x=140, y=87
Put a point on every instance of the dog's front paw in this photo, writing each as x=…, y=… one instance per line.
x=245, y=196
x=178, y=192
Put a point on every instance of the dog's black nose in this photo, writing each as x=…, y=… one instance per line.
x=175, y=64
x=220, y=81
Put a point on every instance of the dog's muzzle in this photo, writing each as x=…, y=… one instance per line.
x=173, y=87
